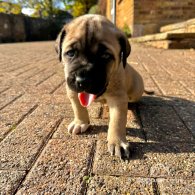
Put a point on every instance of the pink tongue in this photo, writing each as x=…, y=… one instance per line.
x=86, y=98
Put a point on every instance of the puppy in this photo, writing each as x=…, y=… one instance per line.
x=94, y=53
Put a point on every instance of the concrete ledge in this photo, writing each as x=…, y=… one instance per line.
x=177, y=26
x=168, y=44
x=168, y=40
x=164, y=36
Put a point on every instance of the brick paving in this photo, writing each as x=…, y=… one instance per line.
x=38, y=156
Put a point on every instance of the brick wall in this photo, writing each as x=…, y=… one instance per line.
x=124, y=14
x=108, y=9
x=150, y=15
x=147, y=16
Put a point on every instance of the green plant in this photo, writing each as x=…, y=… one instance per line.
x=127, y=30
x=13, y=127
x=94, y=10
x=86, y=178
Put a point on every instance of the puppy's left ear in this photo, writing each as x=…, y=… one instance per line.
x=59, y=41
x=125, y=48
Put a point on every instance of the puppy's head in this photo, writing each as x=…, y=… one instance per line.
x=91, y=49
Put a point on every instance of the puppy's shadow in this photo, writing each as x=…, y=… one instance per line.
x=164, y=124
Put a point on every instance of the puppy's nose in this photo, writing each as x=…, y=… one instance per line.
x=82, y=82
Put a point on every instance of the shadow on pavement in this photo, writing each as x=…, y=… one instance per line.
x=165, y=126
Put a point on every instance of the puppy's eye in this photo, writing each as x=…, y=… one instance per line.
x=106, y=55
x=71, y=53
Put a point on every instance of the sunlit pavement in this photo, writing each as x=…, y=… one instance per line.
x=38, y=156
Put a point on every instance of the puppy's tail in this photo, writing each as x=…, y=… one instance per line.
x=148, y=92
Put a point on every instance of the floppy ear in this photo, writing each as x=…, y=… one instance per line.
x=125, y=48
x=59, y=41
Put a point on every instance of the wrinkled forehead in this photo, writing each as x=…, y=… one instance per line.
x=89, y=33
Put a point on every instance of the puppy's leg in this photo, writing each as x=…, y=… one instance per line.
x=117, y=126
x=81, y=117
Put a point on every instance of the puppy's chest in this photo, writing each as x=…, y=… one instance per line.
x=101, y=99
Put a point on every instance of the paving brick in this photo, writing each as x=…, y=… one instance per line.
x=51, y=107
x=97, y=129
x=33, y=102
x=152, y=65
x=170, y=87
x=62, y=131
x=8, y=80
x=134, y=61
x=150, y=85
x=13, y=114
x=45, y=87
x=154, y=100
x=189, y=85
x=4, y=129
x=10, y=180
x=61, y=90
x=17, y=67
x=148, y=160
x=173, y=64
x=8, y=97
x=95, y=110
x=26, y=69
x=132, y=119
x=27, y=76
x=190, y=69
x=50, y=84
x=162, y=124
x=3, y=88
x=47, y=110
x=187, y=114
x=61, y=168
x=184, y=66
x=181, y=100
x=119, y=185
x=41, y=76
x=134, y=131
x=53, y=99
x=20, y=148
x=176, y=186
x=45, y=99
x=33, y=90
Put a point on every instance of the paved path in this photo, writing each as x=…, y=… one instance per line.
x=37, y=156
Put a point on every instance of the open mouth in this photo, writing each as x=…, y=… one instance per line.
x=87, y=98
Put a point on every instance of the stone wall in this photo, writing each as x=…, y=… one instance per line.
x=16, y=28
x=147, y=16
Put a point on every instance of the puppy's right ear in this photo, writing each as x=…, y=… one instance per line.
x=58, y=44
x=125, y=48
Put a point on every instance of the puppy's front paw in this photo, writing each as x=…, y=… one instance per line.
x=75, y=128
x=115, y=148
